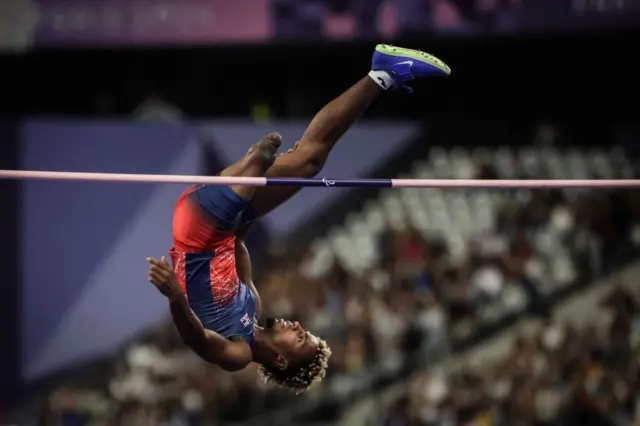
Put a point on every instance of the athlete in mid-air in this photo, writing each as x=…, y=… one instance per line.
x=212, y=298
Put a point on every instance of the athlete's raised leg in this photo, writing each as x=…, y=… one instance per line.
x=392, y=67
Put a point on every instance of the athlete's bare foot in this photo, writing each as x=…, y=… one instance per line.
x=259, y=158
x=263, y=152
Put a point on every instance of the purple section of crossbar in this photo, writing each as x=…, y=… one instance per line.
x=330, y=183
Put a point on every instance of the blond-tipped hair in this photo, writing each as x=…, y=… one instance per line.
x=299, y=378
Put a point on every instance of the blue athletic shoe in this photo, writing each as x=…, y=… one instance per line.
x=406, y=64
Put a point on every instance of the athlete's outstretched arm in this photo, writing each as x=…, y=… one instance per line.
x=210, y=346
x=310, y=154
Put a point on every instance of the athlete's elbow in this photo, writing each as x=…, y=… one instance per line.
x=234, y=356
x=195, y=339
x=233, y=366
x=231, y=362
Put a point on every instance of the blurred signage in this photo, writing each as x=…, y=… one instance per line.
x=91, y=22
x=131, y=22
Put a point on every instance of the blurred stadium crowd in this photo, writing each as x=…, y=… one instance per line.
x=390, y=286
x=563, y=374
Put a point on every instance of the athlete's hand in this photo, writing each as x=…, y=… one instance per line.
x=162, y=276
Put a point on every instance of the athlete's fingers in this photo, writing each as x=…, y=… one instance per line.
x=155, y=262
x=155, y=279
x=156, y=268
x=160, y=271
x=162, y=264
x=166, y=264
x=158, y=279
x=163, y=267
x=157, y=274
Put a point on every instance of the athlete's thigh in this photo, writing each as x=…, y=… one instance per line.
x=300, y=163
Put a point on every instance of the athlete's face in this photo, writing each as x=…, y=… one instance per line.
x=291, y=341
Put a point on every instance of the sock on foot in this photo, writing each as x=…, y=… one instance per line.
x=382, y=79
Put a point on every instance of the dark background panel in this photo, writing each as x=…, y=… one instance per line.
x=566, y=77
x=9, y=252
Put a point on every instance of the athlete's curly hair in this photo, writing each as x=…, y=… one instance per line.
x=299, y=378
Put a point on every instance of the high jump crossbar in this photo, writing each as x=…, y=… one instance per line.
x=321, y=182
